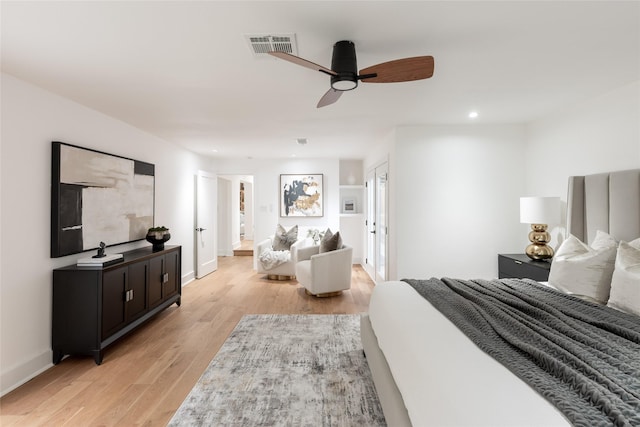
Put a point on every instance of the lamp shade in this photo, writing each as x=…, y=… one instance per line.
x=540, y=210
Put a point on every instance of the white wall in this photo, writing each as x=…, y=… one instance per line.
x=457, y=192
x=600, y=135
x=31, y=119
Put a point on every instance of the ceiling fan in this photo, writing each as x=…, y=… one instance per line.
x=344, y=75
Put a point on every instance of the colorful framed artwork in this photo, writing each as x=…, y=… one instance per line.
x=301, y=195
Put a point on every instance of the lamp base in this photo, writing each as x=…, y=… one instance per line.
x=539, y=252
x=539, y=237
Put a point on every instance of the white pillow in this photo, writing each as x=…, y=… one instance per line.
x=625, y=284
x=603, y=240
x=583, y=270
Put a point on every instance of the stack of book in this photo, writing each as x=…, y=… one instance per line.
x=100, y=262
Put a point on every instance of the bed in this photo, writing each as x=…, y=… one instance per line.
x=429, y=373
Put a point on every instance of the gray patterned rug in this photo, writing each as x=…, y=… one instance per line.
x=286, y=370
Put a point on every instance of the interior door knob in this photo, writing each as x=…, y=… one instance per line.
x=200, y=229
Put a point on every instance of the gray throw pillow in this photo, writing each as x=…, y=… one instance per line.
x=283, y=239
x=330, y=242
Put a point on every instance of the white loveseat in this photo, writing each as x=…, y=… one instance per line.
x=324, y=274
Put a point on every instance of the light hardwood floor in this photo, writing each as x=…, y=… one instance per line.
x=145, y=376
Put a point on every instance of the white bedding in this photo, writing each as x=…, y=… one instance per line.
x=444, y=379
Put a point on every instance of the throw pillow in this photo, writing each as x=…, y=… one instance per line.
x=283, y=239
x=603, y=240
x=583, y=270
x=625, y=284
x=330, y=242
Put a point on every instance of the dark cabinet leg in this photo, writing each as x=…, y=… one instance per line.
x=178, y=302
x=97, y=356
x=57, y=356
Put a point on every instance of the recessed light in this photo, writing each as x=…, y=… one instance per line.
x=214, y=150
x=473, y=114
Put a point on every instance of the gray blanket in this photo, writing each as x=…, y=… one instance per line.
x=582, y=357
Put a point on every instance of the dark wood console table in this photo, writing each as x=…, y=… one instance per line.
x=95, y=306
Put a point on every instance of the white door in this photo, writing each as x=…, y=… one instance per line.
x=377, y=223
x=381, y=224
x=206, y=224
x=369, y=264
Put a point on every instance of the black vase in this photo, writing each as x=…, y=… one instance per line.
x=158, y=244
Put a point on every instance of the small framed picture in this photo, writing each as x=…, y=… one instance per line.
x=349, y=206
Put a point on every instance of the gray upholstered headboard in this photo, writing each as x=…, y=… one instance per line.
x=607, y=201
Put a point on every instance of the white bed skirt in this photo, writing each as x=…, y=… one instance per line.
x=444, y=379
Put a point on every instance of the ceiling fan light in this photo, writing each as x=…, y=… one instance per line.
x=343, y=84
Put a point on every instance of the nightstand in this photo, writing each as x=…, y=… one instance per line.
x=521, y=266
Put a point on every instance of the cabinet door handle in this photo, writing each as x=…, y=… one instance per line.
x=518, y=262
x=165, y=277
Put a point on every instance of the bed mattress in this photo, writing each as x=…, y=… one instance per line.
x=444, y=379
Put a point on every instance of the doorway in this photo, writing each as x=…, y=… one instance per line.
x=377, y=223
x=236, y=217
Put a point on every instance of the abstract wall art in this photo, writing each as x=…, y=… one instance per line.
x=98, y=197
x=301, y=195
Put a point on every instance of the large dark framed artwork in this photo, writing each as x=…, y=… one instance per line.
x=98, y=197
x=301, y=195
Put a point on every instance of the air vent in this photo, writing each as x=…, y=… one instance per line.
x=260, y=44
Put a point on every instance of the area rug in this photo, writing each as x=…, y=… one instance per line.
x=286, y=370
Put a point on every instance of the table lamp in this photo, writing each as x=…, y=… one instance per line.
x=539, y=212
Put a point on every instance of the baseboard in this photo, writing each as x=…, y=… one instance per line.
x=236, y=245
x=19, y=375
x=188, y=278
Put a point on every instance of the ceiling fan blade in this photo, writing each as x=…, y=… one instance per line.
x=400, y=70
x=329, y=98
x=303, y=62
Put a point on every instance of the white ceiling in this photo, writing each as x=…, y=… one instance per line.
x=183, y=70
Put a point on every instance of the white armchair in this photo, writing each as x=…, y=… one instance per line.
x=284, y=271
x=324, y=274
